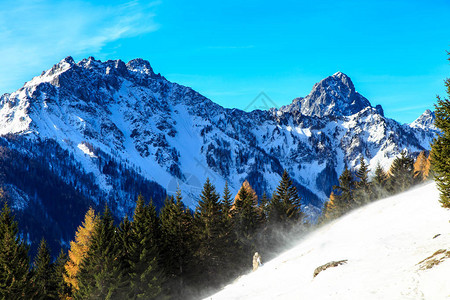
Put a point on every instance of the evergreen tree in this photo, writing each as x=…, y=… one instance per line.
x=209, y=219
x=62, y=288
x=401, y=173
x=284, y=207
x=379, y=182
x=14, y=260
x=79, y=248
x=44, y=282
x=143, y=251
x=344, y=196
x=246, y=217
x=363, y=191
x=441, y=147
x=100, y=275
x=226, y=201
x=247, y=221
x=264, y=205
x=176, y=244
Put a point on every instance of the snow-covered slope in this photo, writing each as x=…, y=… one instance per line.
x=388, y=245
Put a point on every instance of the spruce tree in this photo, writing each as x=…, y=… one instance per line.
x=247, y=221
x=145, y=273
x=401, y=173
x=363, y=191
x=62, y=288
x=440, y=158
x=176, y=244
x=246, y=216
x=14, y=260
x=284, y=207
x=100, y=272
x=227, y=201
x=209, y=219
x=379, y=182
x=43, y=279
x=344, y=195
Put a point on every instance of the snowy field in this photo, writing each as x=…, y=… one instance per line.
x=384, y=244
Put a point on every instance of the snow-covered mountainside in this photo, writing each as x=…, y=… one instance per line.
x=395, y=248
x=110, y=130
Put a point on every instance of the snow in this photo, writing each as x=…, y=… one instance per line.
x=85, y=149
x=383, y=243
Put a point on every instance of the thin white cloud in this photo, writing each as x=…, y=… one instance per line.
x=33, y=34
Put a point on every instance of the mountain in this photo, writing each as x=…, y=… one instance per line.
x=89, y=133
x=395, y=248
x=334, y=96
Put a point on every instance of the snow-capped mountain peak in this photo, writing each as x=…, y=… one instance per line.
x=425, y=120
x=333, y=96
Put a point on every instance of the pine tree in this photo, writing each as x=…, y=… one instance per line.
x=344, y=196
x=284, y=207
x=100, y=275
x=363, y=191
x=401, y=173
x=14, y=260
x=441, y=147
x=246, y=215
x=146, y=275
x=43, y=279
x=247, y=220
x=209, y=219
x=62, y=288
x=226, y=201
x=379, y=182
x=264, y=204
x=79, y=248
x=176, y=244
x=124, y=239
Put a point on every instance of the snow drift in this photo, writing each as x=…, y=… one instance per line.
x=396, y=248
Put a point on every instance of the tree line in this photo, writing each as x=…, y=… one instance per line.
x=355, y=190
x=177, y=253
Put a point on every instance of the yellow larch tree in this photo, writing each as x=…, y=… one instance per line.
x=79, y=248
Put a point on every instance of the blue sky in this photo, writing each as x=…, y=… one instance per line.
x=230, y=51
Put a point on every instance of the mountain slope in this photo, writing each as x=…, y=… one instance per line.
x=385, y=245
x=110, y=130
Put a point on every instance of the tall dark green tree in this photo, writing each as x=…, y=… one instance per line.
x=379, y=182
x=440, y=152
x=209, y=218
x=363, y=190
x=43, y=279
x=401, y=173
x=247, y=218
x=14, y=260
x=146, y=276
x=284, y=207
x=344, y=199
x=177, y=247
x=62, y=288
x=100, y=275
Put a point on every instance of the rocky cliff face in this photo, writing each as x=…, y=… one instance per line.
x=128, y=127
